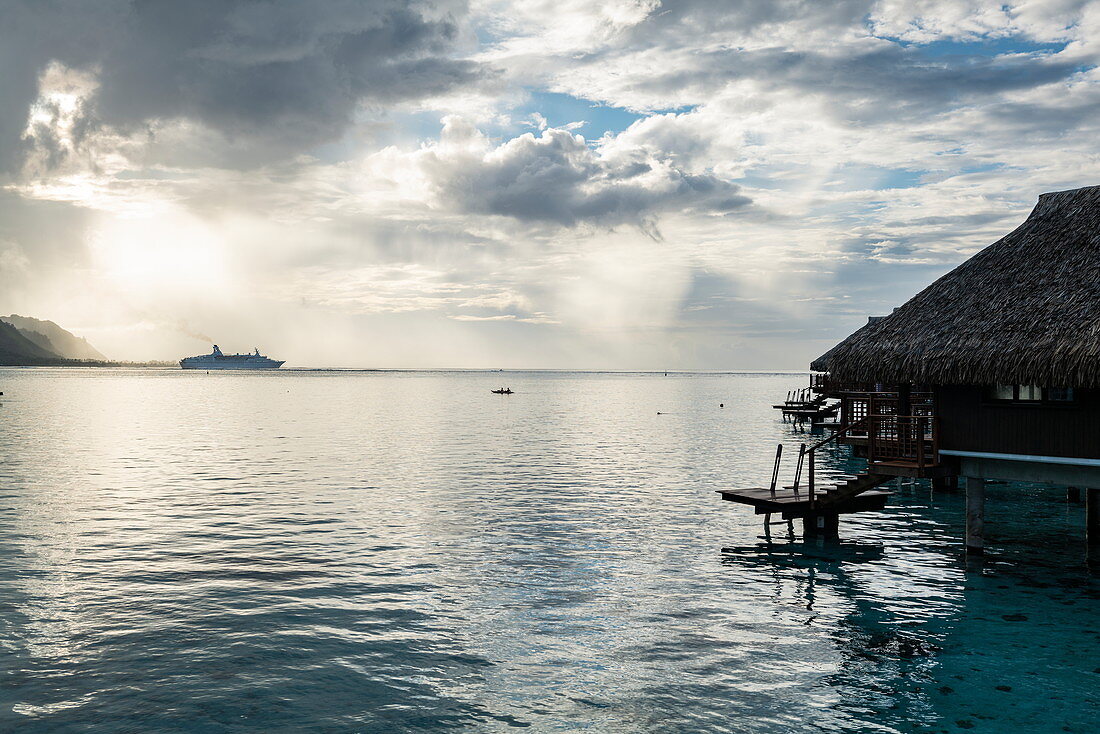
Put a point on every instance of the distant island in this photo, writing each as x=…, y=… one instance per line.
x=30, y=342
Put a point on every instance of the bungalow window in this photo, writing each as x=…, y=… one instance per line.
x=1060, y=394
x=1031, y=394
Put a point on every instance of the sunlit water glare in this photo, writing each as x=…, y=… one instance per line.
x=394, y=551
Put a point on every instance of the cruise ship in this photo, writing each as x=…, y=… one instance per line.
x=218, y=361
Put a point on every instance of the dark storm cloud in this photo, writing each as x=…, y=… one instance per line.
x=32, y=33
x=287, y=74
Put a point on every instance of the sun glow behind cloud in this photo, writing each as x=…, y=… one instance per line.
x=155, y=257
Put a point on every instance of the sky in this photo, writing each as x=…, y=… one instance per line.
x=629, y=184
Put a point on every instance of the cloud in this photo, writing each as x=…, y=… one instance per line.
x=925, y=21
x=271, y=77
x=556, y=177
x=770, y=172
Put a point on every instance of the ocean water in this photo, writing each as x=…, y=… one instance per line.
x=404, y=551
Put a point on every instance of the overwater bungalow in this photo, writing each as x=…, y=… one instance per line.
x=990, y=373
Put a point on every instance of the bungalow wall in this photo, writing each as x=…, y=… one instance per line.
x=970, y=421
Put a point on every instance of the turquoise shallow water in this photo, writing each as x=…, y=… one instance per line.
x=327, y=551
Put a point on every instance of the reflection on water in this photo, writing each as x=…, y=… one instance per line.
x=405, y=551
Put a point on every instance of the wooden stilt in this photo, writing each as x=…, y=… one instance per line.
x=945, y=484
x=1092, y=517
x=825, y=525
x=975, y=516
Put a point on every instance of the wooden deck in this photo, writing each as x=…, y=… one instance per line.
x=901, y=468
x=792, y=505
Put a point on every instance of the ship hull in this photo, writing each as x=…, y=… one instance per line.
x=227, y=365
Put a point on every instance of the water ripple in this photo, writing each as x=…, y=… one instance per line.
x=405, y=552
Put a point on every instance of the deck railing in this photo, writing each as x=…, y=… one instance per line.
x=905, y=439
x=823, y=382
x=890, y=438
x=820, y=382
x=806, y=456
x=855, y=407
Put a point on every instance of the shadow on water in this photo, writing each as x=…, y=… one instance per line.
x=927, y=639
x=879, y=655
x=923, y=638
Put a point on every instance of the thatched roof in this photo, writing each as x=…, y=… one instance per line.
x=1025, y=310
x=821, y=364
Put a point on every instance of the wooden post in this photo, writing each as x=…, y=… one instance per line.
x=975, y=516
x=810, y=483
x=945, y=484
x=904, y=400
x=903, y=418
x=919, y=442
x=775, y=471
x=872, y=429
x=1092, y=517
x=825, y=525
x=798, y=468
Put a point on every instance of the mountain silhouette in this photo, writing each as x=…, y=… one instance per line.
x=29, y=341
x=52, y=338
